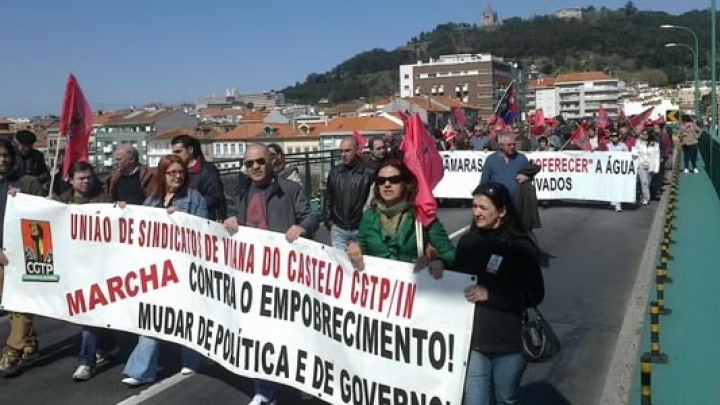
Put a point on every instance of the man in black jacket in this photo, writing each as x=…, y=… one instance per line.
x=204, y=176
x=30, y=161
x=348, y=187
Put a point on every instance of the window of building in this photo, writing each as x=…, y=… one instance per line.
x=406, y=76
x=225, y=149
x=233, y=148
x=432, y=74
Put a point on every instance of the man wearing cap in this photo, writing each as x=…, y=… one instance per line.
x=30, y=161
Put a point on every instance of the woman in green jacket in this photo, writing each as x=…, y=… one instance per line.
x=387, y=229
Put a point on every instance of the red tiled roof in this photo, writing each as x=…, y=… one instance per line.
x=582, y=77
x=255, y=131
x=172, y=133
x=349, y=124
x=541, y=82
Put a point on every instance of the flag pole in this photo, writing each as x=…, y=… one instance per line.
x=55, y=165
x=497, y=107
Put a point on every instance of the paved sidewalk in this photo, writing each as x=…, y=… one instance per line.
x=690, y=336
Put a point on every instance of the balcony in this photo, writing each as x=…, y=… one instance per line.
x=575, y=90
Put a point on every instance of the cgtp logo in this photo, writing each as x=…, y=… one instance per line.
x=38, y=249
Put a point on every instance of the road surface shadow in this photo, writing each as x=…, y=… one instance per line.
x=542, y=393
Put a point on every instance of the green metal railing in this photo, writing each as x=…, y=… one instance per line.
x=710, y=152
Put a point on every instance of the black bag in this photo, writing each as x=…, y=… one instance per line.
x=539, y=341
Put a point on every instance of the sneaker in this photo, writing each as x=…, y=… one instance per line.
x=645, y=202
x=618, y=208
x=261, y=400
x=102, y=356
x=136, y=382
x=187, y=371
x=12, y=360
x=695, y=170
x=686, y=171
x=83, y=373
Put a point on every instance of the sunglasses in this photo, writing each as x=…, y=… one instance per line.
x=251, y=163
x=397, y=179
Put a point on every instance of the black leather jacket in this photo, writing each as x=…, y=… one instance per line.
x=346, y=194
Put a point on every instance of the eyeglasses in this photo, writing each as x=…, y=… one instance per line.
x=251, y=163
x=509, y=144
x=175, y=173
x=397, y=179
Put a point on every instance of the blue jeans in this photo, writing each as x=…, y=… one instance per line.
x=266, y=388
x=493, y=372
x=339, y=238
x=143, y=361
x=94, y=339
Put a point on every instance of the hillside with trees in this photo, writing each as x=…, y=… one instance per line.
x=626, y=43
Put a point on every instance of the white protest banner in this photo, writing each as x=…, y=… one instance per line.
x=259, y=306
x=571, y=175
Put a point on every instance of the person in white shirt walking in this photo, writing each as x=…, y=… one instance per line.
x=648, y=153
x=616, y=146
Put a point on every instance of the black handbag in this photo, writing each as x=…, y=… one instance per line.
x=539, y=341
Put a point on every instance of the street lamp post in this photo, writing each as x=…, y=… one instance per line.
x=696, y=69
x=713, y=71
x=696, y=74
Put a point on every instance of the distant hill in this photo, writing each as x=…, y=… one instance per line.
x=627, y=43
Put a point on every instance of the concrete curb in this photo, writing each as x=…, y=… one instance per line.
x=620, y=375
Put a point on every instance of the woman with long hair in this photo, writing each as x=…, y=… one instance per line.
x=387, y=229
x=172, y=193
x=505, y=260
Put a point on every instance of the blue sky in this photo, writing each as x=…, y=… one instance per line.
x=140, y=51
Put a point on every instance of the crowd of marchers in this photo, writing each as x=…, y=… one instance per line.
x=368, y=209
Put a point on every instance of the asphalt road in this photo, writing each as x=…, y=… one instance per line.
x=588, y=284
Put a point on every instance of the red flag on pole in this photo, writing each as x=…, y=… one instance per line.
x=602, y=121
x=76, y=124
x=424, y=161
x=580, y=138
x=361, y=140
x=539, y=125
x=638, y=121
x=460, y=118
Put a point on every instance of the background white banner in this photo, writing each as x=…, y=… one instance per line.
x=261, y=307
x=572, y=175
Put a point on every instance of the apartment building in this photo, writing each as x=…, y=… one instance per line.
x=580, y=94
x=478, y=80
x=540, y=93
x=135, y=128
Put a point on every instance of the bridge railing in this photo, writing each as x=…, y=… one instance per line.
x=312, y=167
x=710, y=151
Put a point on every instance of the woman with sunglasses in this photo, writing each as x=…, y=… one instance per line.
x=387, y=229
x=172, y=193
x=505, y=260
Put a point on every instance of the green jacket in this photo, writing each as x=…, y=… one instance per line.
x=403, y=247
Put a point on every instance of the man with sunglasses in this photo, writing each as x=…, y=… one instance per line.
x=346, y=194
x=276, y=204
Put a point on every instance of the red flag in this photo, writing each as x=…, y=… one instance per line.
x=76, y=124
x=361, y=140
x=624, y=118
x=424, y=161
x=449, y=132
x=539, y=124
x=602, y=121
x=580, y=138
x=638, y=121
x=660, y=121
x=403, y=116
x=460, y=118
